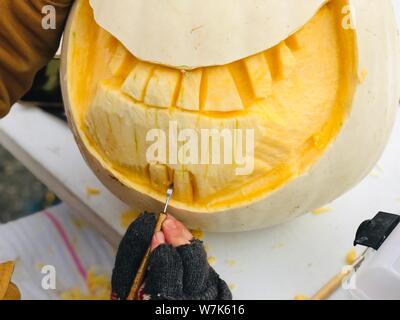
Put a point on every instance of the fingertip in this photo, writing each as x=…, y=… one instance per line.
x=176, y=233
x=158, y=239
x=170, y=216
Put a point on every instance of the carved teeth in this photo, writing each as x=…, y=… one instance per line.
x=159, y=176
x=162, y=88
x=118, y=60
x=260, y=75
x=221, y=91
x=189, y=95
x=183, y=188
x=294, y=42
x=136, y=82
x=286, y=60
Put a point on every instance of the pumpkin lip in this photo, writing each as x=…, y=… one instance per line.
x=215, y=206
x=367, y=128
x=204, y=32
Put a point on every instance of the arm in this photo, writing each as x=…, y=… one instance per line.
x=25, y=47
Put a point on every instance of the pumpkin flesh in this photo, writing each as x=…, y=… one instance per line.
x=295, y=96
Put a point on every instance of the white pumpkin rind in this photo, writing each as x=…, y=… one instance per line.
x=199, y=33
x=368, y=127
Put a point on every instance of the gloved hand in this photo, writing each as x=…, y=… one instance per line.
x=178, y=267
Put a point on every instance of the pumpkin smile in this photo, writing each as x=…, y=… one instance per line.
x=294, y=96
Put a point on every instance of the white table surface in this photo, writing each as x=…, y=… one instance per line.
x=277, y=263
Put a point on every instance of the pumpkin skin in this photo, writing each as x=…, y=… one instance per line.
x=334, y=162
x=206, y=33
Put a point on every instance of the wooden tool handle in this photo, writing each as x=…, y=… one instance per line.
x=331, y=286
x=12, y=293
x=141, y=273
x=6, y=272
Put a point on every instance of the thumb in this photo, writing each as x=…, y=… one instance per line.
x=176, y=234
x=158, y=239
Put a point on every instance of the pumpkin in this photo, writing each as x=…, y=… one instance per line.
x=300, y=94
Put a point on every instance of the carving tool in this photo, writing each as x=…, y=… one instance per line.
x=375, y=275
x=141, y=273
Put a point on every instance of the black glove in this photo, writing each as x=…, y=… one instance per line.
x=181, y=273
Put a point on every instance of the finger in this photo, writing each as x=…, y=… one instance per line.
x=158, y=239
x=173, y=218
x=131, y=250
x=196, y=268
x=224, y=293
x=165, y=274
x=219, y=290
x=176, y=233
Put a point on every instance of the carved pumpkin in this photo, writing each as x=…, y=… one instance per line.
x=302, y=95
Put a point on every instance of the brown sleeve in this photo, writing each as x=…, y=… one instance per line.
x=25, y=47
